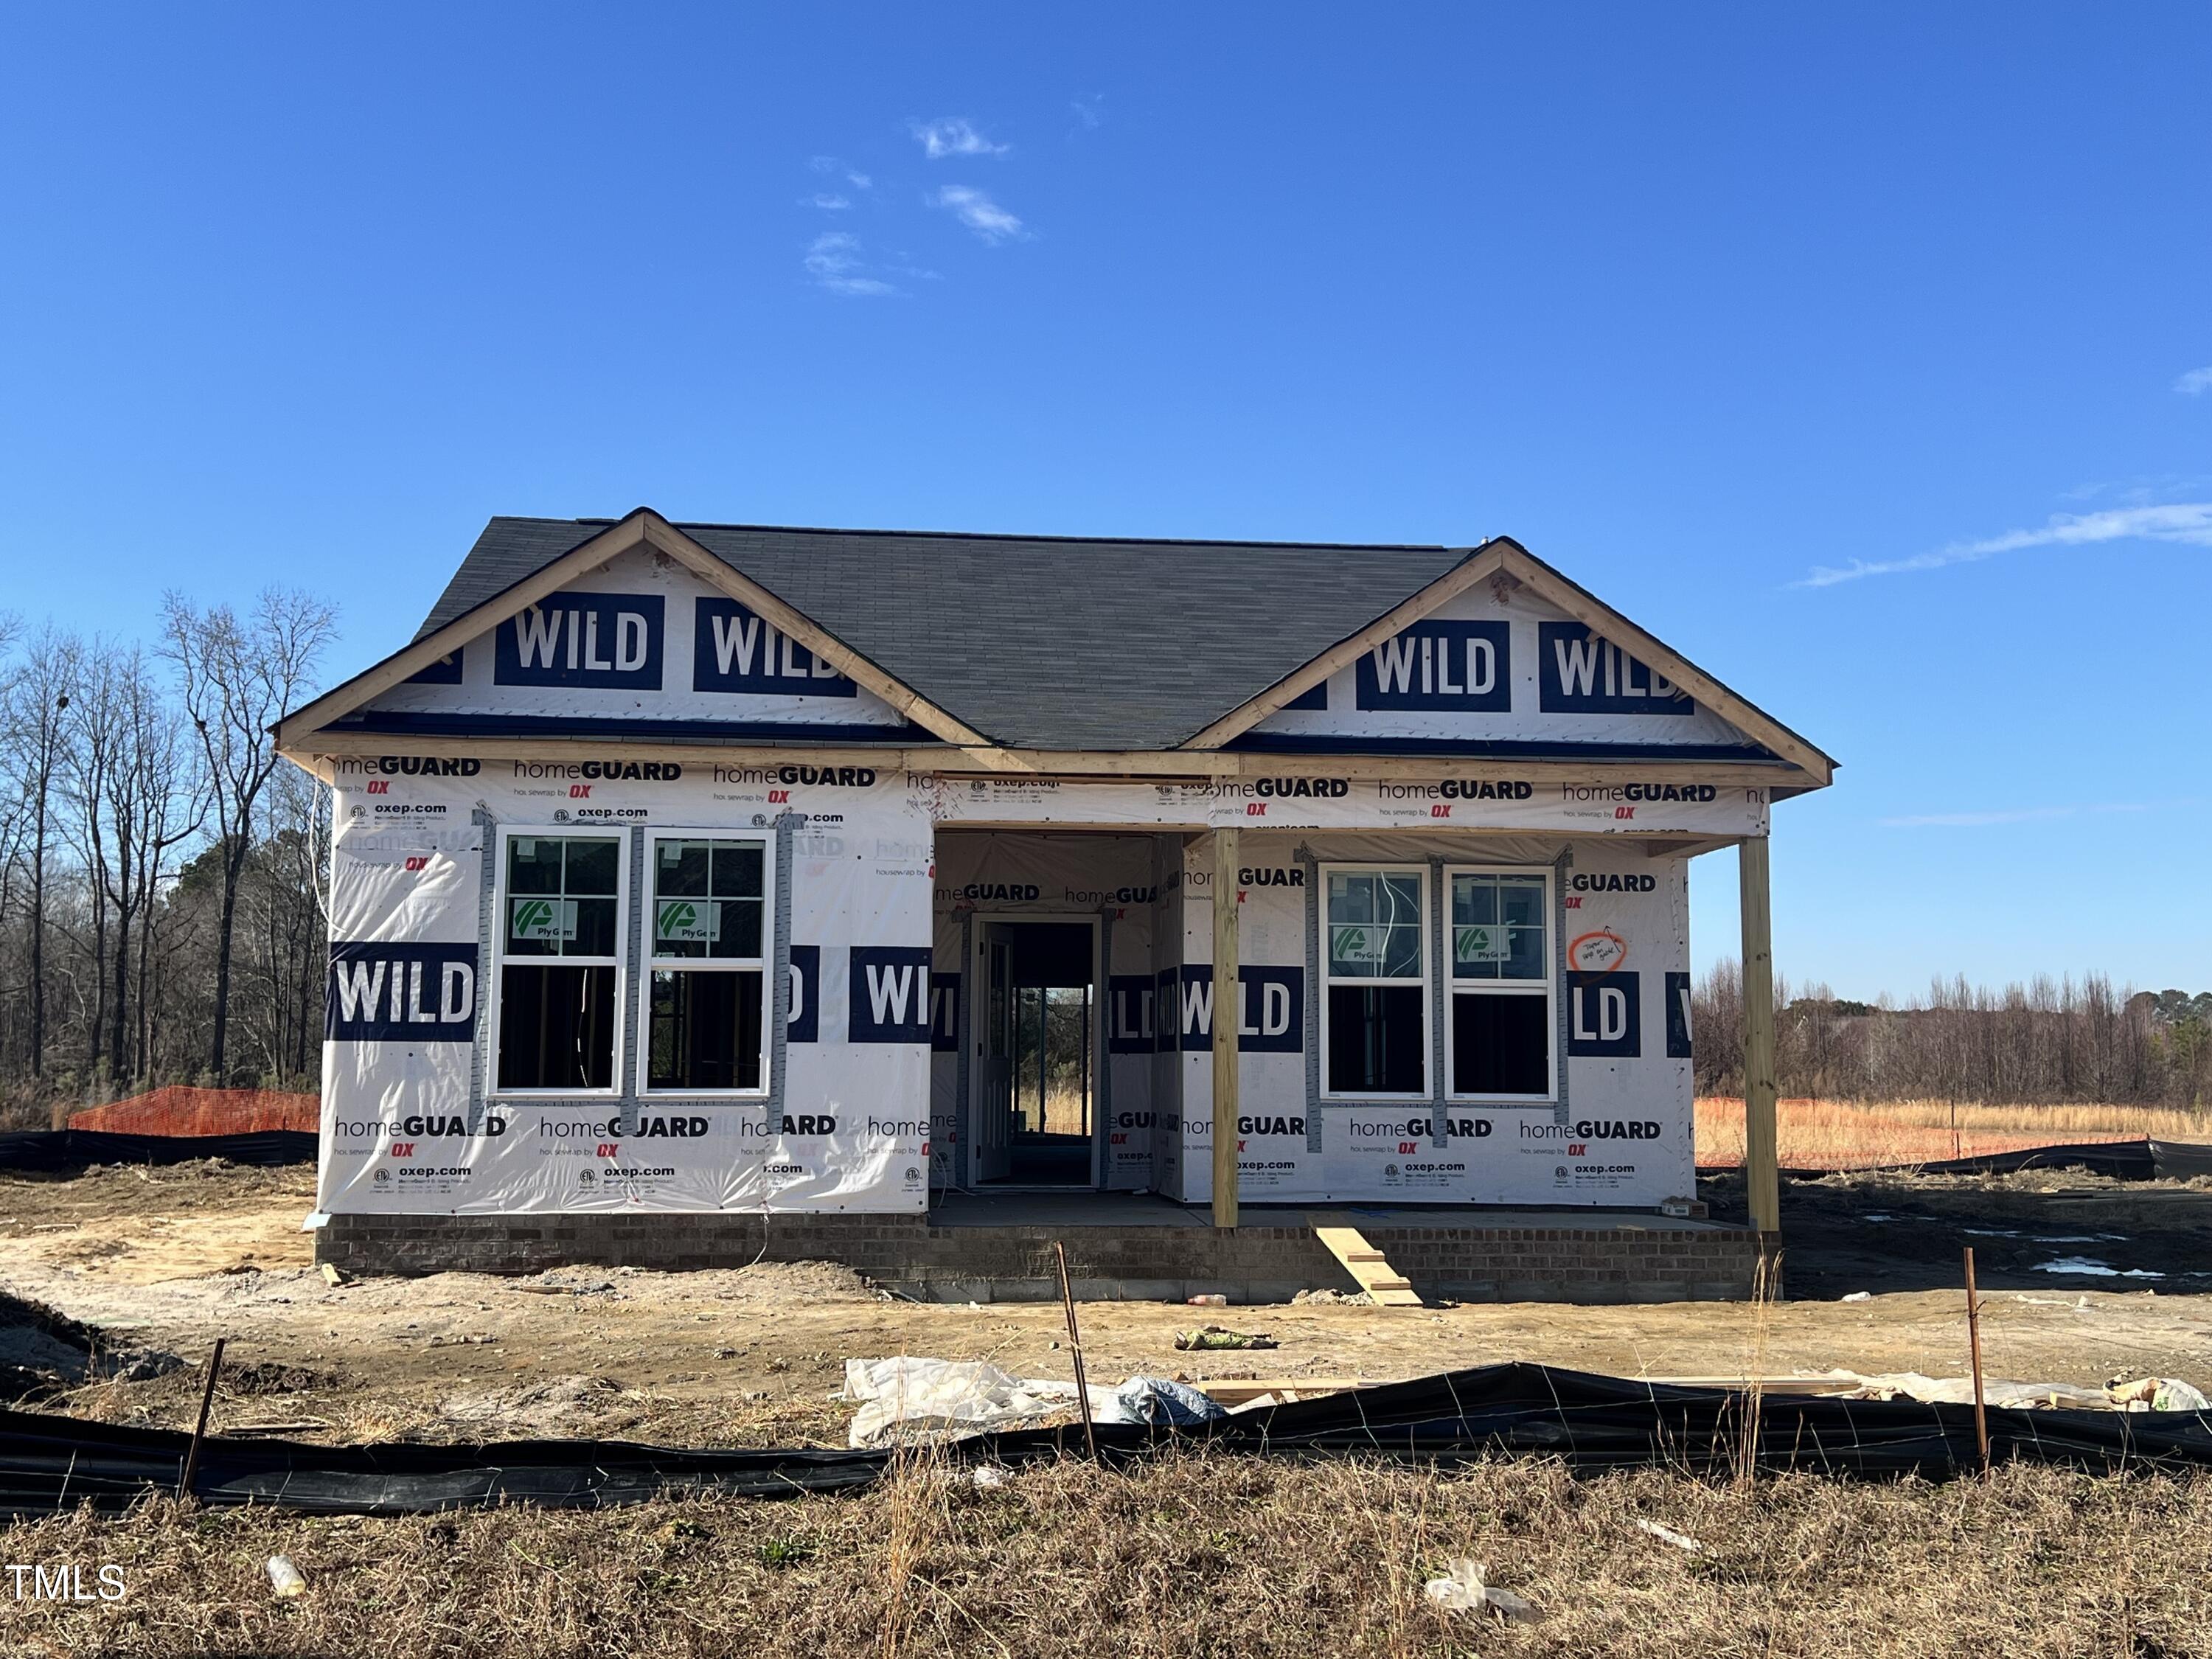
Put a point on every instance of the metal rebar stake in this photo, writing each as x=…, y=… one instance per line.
x=1974, y=1350
x=1075, y=1343
x=199, y=1429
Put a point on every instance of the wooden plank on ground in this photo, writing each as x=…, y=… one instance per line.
x=1388, y=1287
x=1236, y=1391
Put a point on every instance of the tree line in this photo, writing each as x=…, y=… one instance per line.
x=161, y=867
x=2043, y=1043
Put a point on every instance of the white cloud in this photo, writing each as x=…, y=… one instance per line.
x=2014, y=815
x=979, y=214
x=950, y=134
x=829, y=203
x=2186, y=523
x=1088, y=112
x=833, y=260
x=832, y=164
x=2197, y=380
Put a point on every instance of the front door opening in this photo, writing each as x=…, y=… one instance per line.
x=1036, y=1083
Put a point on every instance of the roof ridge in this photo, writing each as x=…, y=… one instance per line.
x=1009, y=536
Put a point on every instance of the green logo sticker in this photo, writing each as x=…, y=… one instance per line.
x=1481, y=942
x=686, y=921
x=541, y=921
x=1357, y=942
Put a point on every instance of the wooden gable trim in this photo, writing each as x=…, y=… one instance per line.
x=1502, y=555
x=905, y=699
x=1478, y=564
x=1604, y=621
x=1116, y=766
x=410, y=660
x=643, y=528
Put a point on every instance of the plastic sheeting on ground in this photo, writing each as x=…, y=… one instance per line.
x=913, y=1401
x=2178, y=1161
x=49, y=1464
x=55, y=1150
x=910, y=1400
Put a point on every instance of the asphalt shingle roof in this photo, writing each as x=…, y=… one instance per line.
x=1035, y=642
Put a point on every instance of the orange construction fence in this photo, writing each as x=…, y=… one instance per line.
x=180, y=1109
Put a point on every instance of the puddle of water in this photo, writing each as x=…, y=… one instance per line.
x=2093, y=1268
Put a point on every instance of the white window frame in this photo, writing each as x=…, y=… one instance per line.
x=620, y=835
x=653, y=964
x=1321, y=873
x=1547, y=987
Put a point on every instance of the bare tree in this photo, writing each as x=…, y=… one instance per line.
x=165, y=811
x=136, y=789
x=36, y=717
x=237, y=676
x=92, y=738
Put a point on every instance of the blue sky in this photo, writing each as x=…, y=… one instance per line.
x=1704, y=305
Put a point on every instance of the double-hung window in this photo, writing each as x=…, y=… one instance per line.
x=560, y=941
x=1374, y=947
x=707, y=999
x=1499, y=1039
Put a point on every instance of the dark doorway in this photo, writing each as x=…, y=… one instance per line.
x=1037, y=1083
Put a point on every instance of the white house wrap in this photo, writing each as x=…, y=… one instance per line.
x=713, y=869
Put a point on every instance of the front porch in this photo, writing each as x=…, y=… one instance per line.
x=1120, y=1247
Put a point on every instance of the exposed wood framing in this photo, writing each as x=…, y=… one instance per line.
x=294, y=730
x=1762, y=1178
x=1603, y=620
x=1225, y=1022
x=643, y=528
x=958, y=760
x=1503, y=556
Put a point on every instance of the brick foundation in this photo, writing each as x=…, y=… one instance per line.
x=1473, y=1263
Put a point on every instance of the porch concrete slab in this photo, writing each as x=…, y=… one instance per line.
x=1087, y=1209
x=1063, y=1210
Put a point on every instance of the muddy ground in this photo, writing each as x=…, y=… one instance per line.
x=168, y=1259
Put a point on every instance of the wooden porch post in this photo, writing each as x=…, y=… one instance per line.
x=1226, y=1021
x=1761, y=1183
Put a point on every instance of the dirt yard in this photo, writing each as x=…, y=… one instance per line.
x=169, y=1259
x=1193, y=1555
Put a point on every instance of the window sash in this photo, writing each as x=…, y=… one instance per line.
x=1331, y=977
x=1546, y=986
x=657, y=963
x=1489, y=921
x=504, y=955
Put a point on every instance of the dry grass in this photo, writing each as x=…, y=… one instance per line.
x=1835, y=1134
x=1186, y=1556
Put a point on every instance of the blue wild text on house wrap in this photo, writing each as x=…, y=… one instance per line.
x=384, y=991
x=1604, y=1014
x=887, y=998
x=804, y=1022
x=1678, y=1017
x=609, y=641
x=944, y=1012
x=734, y=650
x=1271, y=1015
x=1578, y=673
x=1455, y=666
x=1129, y=1024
